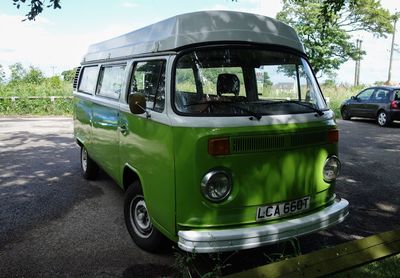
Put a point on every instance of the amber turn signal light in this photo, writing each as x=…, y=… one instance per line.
x=218, y=146
x=333, y=136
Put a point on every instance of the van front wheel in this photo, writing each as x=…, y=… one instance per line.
x=138, y=222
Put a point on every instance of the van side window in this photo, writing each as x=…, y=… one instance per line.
x=88, y=80
x=148, y=78
x=111, y=79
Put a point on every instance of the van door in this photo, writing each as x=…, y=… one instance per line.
x=147, y=144
x=105, y=135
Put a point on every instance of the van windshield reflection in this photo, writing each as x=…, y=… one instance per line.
x=244, y=82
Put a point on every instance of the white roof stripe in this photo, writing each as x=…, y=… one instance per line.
x=193, y=28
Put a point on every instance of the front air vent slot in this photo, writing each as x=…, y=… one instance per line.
x=308, y=139
x=75, y=84
x=263, y=143
x=259, y=143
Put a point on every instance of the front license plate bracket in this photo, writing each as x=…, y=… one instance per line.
x=279, y=210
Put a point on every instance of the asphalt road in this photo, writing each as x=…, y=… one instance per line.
x=53, y=223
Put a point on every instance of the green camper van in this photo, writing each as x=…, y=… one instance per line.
x=214, y=125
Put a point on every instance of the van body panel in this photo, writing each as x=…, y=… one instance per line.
x=197, y=28
x=260, y=177
x=105, y=138
x=83, y=120
x=149, y=147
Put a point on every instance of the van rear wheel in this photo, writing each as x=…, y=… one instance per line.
x=138, y=221
x=88, y=166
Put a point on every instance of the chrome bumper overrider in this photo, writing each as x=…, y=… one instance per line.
x=208, y=241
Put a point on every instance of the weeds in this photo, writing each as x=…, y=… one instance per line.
x=285, y=254
x=210, y=265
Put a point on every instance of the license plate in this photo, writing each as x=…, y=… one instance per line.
x=282, y=209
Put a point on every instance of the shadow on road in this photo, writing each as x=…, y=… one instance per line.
x=38, y=182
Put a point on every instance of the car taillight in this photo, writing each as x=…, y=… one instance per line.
x=394, y=104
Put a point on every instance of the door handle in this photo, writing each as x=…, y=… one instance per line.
x=123, y=129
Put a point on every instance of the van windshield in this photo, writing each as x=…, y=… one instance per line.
x=245, y=82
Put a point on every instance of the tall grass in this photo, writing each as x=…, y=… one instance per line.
x=337, y=94
x=46, y=88
x=39, y=106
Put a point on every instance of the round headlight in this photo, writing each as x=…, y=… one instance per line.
x=216, y=185
x=331, y=168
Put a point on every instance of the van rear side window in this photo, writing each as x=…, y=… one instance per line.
x=88, y=79
x=111, y=79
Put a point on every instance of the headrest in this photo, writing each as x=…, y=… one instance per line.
x=381, y=94
x=228, y=84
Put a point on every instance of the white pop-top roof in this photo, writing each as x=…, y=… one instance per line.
x=194, y=28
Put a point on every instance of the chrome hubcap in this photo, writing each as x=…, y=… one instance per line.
x=140, y=219
x=84, y=158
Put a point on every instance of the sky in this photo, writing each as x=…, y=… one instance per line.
x=58, y=39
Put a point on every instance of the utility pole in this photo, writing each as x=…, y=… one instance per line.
x=392, y=49
x=357, y=71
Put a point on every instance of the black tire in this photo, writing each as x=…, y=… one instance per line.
x=383, y=118
x=138, y=221
x=88, y=166
x=345, y=113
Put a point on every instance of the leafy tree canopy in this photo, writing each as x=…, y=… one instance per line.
x=37, y=6
x=325, y=27
x=2, y=75
x=21, y=75
x=34, y=76
x=17, y=72
x=69, y=75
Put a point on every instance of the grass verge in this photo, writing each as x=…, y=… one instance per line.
x=385, y=268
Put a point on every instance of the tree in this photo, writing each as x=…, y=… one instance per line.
x=327, y=38
x=2, y=75
x=69, y=75
x=17, y=72
x=34, y=76
x=266, y=80
x=37, y=6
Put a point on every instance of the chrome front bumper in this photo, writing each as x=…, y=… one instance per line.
x=209, y=241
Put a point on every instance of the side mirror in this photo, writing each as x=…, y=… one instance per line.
x=137, y=103
x=353, y=98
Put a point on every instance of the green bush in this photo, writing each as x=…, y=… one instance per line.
x=52, y=86
x=39, y=106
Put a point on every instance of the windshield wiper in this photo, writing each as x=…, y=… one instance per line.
x=318, y=111
x=230, y=103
